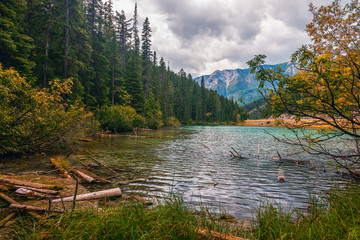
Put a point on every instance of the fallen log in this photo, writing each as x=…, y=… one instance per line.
x=84, y=176
x=57, y=164
x=12, y=201
x=203, y=233
x=6, y=198
x=6, y=219
x=40, y=190
x=134, y=180
x=96, y=177
x=290, y=160
x=28, y=184
x=115, y=192
x=4, y=188
x=102, y=164
x=33, y=208
x=29, y=193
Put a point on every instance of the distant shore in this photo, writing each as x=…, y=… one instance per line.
x=277, y=123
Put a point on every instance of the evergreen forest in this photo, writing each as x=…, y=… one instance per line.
x=109, y=60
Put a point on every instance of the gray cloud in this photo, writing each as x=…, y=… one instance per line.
x=202, y=36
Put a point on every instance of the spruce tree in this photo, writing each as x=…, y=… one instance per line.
x=15, y=45
x=146, y=54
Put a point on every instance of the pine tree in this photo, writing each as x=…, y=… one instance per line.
x=135, y=31
x=146, y=57
x=133, y=83
x=124, y=35
x=15, y=45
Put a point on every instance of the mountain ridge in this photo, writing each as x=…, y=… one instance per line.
x=240, y=83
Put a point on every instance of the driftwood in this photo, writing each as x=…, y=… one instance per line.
x=40, y=190
x=123, y=169
x=203, y=233
x=84, y=176
x=6, y=198
x=291, y=160
x=57, y=164
x=12, y=201
x=134, y=180
x=4, y=188
x=141, y=200
x=6, y=219
x=237, y=154
x=96, y=177
x=205, y=188
x=29, y=193
x=115, y=192
x=85, y=165
x=212, y=185
x=28, y=184
x=33, y=208
x=102, y=164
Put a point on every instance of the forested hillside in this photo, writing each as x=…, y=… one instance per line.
x=109, y=59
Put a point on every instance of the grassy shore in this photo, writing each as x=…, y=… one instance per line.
x=173, y=219
x=331, y=216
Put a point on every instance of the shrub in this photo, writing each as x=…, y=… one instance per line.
x=34, y=120
x=120, y=118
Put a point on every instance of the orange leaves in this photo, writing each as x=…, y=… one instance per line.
x=33, y=120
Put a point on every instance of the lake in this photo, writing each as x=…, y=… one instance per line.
x=189, y=159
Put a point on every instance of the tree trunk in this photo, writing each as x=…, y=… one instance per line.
x=97, y=178
x=29, y=193
x=15, y=186
x=84, y=176
x=115, y=192
x=8, y=218
x=66, y=52
x=46, y=61
x=28, y=184
x=33, y=208
x=12, y=201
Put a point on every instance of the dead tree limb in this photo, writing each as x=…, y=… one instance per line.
x=28, y=184
x=115, y=192
x=12, y=201
x=6, y=219
x=32, y=208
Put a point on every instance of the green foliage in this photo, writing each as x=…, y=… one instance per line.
x=33, y=120
x=173, y=219
x=334, y=216
x=326, y=89
x=153, y=113
x=15, y=46
x=104, y=59
x=119, y=118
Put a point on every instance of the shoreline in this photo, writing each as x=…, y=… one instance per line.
x=279, y=123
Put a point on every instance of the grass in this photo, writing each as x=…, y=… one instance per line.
x=171, y=220
x=333, y=216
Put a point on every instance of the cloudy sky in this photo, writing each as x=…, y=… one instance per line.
x=202, y=36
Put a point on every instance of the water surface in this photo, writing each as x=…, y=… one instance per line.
x=196, y=157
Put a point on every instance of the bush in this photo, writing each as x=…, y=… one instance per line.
x=34, y=120
x=119, y=118
x=172, y=122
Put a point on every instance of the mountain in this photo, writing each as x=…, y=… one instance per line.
x=240, y=83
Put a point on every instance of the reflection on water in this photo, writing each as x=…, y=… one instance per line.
x=196, y=157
